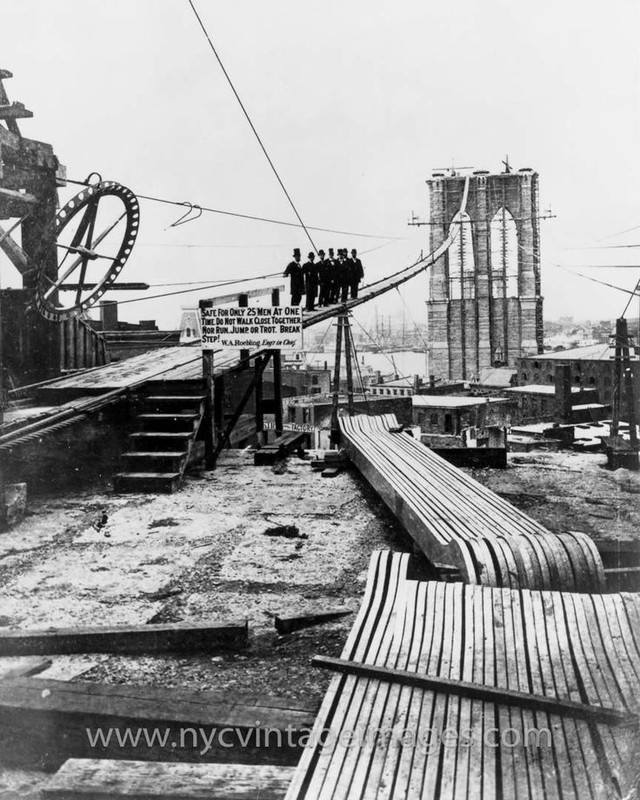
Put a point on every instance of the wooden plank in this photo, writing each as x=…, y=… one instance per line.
x=130, y=639
x=51, y=721
x=451, y=758
x=23, y=667
x=555, y=705
x=295, y=623
x=22, y=197
x=94, y=779
x=232, y=298
x=494, y=619
x=14, y=252
x=14, y=110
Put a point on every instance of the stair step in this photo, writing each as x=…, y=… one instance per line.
x=161, y=482
x=169, y=422
x=160, y=441
x=175, y=398
x=155, y=460
x=161, y=435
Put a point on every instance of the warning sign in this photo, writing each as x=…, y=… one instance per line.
x=276, y=328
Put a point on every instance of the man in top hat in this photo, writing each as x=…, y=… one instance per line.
x=334, y=282
x=345, y=275
x=310, y=272
x=324, y=280
x=296, y=276
x=357, y=273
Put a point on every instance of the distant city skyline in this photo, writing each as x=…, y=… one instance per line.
x=356, y=103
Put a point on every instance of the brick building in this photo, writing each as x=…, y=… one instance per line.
x=484, y=307
x=449, y=414
x=591, y=368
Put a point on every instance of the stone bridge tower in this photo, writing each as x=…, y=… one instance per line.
x=484, y=307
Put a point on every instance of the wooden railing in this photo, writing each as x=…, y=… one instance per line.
x=80, y=346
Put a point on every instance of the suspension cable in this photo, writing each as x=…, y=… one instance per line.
x=246, y=113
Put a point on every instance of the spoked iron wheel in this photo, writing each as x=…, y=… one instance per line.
x=94, y=234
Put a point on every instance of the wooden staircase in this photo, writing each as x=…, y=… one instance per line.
x=159, y=452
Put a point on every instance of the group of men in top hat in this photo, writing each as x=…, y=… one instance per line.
x=326, y=280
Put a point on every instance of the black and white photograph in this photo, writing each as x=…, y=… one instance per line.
x=319, y=400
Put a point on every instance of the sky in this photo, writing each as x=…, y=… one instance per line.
x=356, y=101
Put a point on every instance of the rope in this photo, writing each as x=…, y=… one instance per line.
x=257, y=135
x=377, y=344
x=355, y=358
x=415, y=324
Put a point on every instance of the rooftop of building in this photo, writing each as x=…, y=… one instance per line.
x=399, y=383
x=451, y=401
x=497, y=377
x=327, y=399
x=592, y=352
x=547, y=389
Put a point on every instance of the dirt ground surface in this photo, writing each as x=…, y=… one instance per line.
x=93, y=558
x=200, y=555
x=570, y=491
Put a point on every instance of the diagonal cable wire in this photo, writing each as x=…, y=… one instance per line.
x=255, y=217
x=246, y=113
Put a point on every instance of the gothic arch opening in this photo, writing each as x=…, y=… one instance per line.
x=504, y=254
x=462, y=264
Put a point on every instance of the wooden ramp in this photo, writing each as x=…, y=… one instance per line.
x=390, y=738
x=454, y=520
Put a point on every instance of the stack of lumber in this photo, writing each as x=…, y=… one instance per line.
x=402, y=721
x=269, y=453
x=457, y=521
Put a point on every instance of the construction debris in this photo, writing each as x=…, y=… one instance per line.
x=89, y=779
x=288, y=531
x=290, y=624
x=130, y=639
x=51, y=721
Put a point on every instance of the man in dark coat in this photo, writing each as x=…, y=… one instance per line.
x=357, y=273
x=324, y=280
x=334, y=280
x=296, y=276
x=310, y=271
x=345, y=275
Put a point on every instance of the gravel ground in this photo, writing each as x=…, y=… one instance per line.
x=570, y=491
x=200, y=555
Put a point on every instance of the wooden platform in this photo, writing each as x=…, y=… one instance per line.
x=91, y=779
x=386, y=738
x=457, y=521
x=51, y=721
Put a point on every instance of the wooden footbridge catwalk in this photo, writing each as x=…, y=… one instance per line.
x=462, y=692
x=456, y=521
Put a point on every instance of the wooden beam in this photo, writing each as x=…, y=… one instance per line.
x=14, y=252
x=23, y=667
x=14, y=111
x=93, y=779
x=131, y=639
x=21, y=197
x=114, y=287
x=243, y=302
x=240, y=407
x=51, y=721
x=232, y=298
x=209, y=428
x=477, y=691
x=296, y=623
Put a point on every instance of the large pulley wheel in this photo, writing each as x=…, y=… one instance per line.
x=93, y=234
